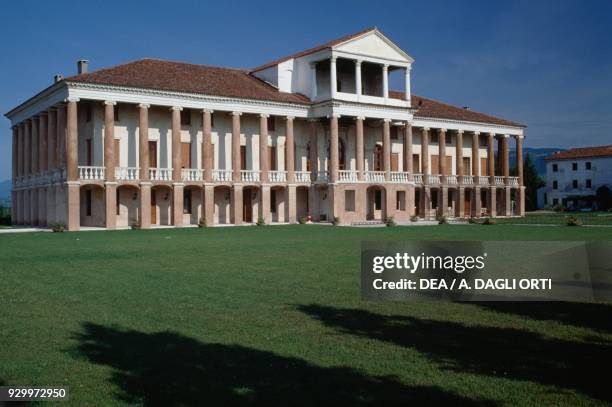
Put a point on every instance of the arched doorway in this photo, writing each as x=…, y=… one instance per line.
x=278, y=204
x=127, y=205
x=302, y=205
x=92, y=206
x=376, y=202
x=161, y=205
x=192, y=205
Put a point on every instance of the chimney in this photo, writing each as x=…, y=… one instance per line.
x=82, y=66
x=58, y=78
x=466, y=108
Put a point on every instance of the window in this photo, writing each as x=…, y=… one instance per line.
x=116, y=113
x=588, y=183
x=401, y=201
x=555, y=184
x=378, y=158
x=273, y=201
x=378, y=199
x=575, y=183
x=88, y=113
x=555, y=167
x=574, y=166
x=185, y=117
x=187, y=201
x=271, y=123
x=587, y=165
x=555, y=201
x=448, y=139
x=394, y=133
x=349, y=201
x=434, y=138
x=88, y=202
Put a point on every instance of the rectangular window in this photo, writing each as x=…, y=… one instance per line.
x=378, y=200
x=271, y=123
x=187, y=201
x=272, y=158
x=588, y=183
x=349, y=201
x=555, y=184
x=186, y=155
x=116, y=113
x=587, y=165
x=273, y=201
x=394, y=133
x=185, y=117
x=88, y=202
x=416, y=163
x=574, y=166
x=401, y=201
x=555, y=167
x=575, y=183
x=243, y=157
x=153, y=154
x=555, y=201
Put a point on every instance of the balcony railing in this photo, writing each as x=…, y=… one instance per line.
x=418, y=178
x=483, y=180
x=468, y=180
x=302, y=176
x=433, y=179
x=347, y=176
x=91, y=173
x=399, y=176
x=513, y=181
x=451, y=179
x=323, y=176
x=499, y=180
x=160, y=174
x=222, y=175
x=277, y=176
x=375, y=176
x=127, y=173
x=191, y=174
x=249, y=175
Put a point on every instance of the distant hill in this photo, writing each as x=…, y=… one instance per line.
x=5, y=192
x=537, y=155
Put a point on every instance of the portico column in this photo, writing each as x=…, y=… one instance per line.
x=20, y=149
x=387, y=148
x=475, y=156
x=442, y=154
x=14, y=193
x=407, y=83
x=333, y=148
x=176, y=145
x=52, y=137
x=73, y=205
x=313, y=80
x=314, y=153
x=408, y=164
x=459, y=155
x=62, y=135
x=35, y=159
x=27, y=141
x=207, y=147
x=263, y=147
x=109, y=140
x=491, y=158
x=506, y=155
x=333, y=77
x=43, y=144
x=425, y=154
x=359, y=147
x=290, y=152
x=236, y=148
x=358, y=90
x=519, y=159
x=385, y=75
x=143, y=141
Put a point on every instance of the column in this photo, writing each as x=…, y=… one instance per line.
x=442, y=154
x=27, y=140
x=477, y=201
x=425, y=154
x=263, y=147
x=43, y=153
x=387, y=148
x=109, y=140
x=460, y=211
x=491, y=156
x=290, y=155
x=492, y=201
x=332, y=78
x=519, y=159
x=236, y=150
x=506, y=158
x=207, y=148
x=385, y=75
x=176, y=146
x=14, y=177
x=236, y=204
x=333, y=148
x=408, y=164
x=145, y=204
x=20, y=150
x=475, y=156
x=71, y=146
x=291, y=204
x=313, y=80
x=177, y=203
x=459, y=156
x=358, y=90
x=407, y=83
x=143, y=145
x=314, y=153
x=443, y=204
x=62, y=135
x=264, y=204
x=359, y=147
x=52, y=137
x=209, y=204
x=34, y=158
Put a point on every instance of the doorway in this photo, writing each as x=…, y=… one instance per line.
x=247, y=205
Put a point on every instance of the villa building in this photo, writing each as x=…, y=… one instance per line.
x=318, y=135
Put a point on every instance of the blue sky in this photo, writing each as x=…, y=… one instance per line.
x=544, y=63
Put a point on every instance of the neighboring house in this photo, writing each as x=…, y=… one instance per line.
x=579, y=178
x=315, y=135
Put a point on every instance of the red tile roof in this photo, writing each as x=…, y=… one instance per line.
x=189, y=78
x=582, y=152
x=314, y=49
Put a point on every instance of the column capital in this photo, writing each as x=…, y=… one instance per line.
x=442, y=130
x=358, y=62
x=459, y=131
x=519, y=136
x=408, y=68
x=51, y=109
x=426, y=129
x=385, y=67
x=262, y=115
x=491, y=134
x=236, y=113
x=208, y=111
x=289, y=118
x=476, y=133
x=505, y=136
x=334, y=115
x=72, y=99
x=144, y=105
x=110, y=102
x=179, y=108
x=313, y=119
x=360, y=118
x=387, y=120
x=333, y=58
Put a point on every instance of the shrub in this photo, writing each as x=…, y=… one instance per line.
x=336, y=221
x=473, y=220
x=261, y=221
x=136, y=225
x=414, y=218
x=489, y=221
x=559, y=208
x=442, y=220
x=390, y=222
x=202, y=223
x=574, y=221
x=303, y=220
x=58, y=227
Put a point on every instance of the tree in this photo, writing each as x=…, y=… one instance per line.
x=532, y=182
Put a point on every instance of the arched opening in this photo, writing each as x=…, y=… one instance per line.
x=278, y=204
x=376, y=203
x=250, y=204
x=302, y=205
x=222, y=208
x=161, y=205
x=92, y=206
x=192, y=205
x=127, y=205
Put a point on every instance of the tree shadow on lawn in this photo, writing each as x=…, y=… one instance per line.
x=497, y=352
x=166, y=368
x=596, y=316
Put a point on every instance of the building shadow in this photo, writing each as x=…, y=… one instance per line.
x=166, y=368
x=498, y=352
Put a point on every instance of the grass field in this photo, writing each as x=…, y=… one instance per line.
x=273, y=315
x=560, y=218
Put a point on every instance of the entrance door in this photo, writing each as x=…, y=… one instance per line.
x=416, y=165
x=247, y=206
x=417, y=202
x=467, y=169
x=394, y=161
x=243, y=157
x=153, y=154
x=467, y=204
x=153, y=207
x=186, y=155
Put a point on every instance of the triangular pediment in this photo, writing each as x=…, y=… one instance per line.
x=374, y=44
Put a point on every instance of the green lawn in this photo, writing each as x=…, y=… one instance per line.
x=560, y=218
x=273, y=315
